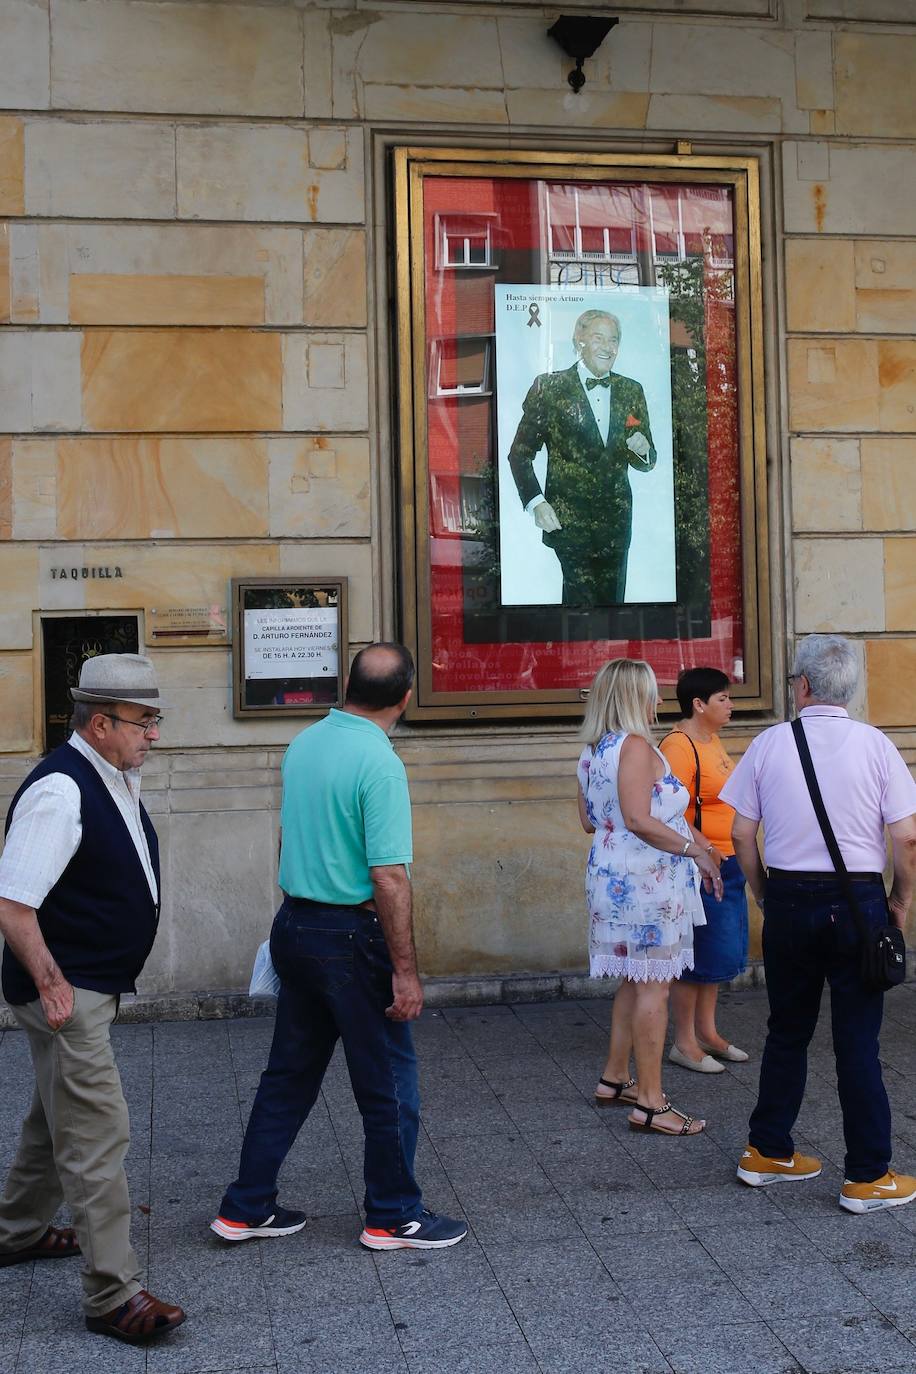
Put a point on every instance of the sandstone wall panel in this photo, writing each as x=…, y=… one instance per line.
x=325, y=382
x=889, y=484
x=16, y=703
x=866, y=188
x=738, y=113
x=5, y=284
x=194, y=380
x=107, y=298
x=874, y=84
x=34, y=488
x=826, y=485
x=897, y=383
x=12, y=166
x=820, y=285
x=319, y=487
x=900, y=583
x=245, y=172
x=160, y=488
x=155, y=274
x=100, y=170
x=498, y=850
x=728, y=60
x=6, y=488
x=833, y=385
x=334, y=277
x=188, y=58
x=839, y=587
x=24, y=54
x=19, y=579
x=39, y=381
x=891, y=682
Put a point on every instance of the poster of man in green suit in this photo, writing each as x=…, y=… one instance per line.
x=593, y=423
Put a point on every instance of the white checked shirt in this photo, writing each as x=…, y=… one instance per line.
x=47, y=828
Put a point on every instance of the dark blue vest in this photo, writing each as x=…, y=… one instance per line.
x=99, y=919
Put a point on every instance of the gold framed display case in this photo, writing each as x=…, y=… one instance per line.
x=581, y=424
x=289, y=645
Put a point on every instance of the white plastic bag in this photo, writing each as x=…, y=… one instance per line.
x=264, y=980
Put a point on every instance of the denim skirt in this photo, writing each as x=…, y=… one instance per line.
x=720, y=947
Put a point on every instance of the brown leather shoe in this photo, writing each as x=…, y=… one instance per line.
x=58, y=1242
x=142, y=1318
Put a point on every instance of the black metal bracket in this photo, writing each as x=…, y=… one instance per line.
x=580, y=36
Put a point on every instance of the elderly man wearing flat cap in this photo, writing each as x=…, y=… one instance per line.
x=79, y=906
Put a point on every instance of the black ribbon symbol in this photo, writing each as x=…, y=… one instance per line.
x=534, y=315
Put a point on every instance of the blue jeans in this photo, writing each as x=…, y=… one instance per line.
x=335, y=976
x=720, y=947
x=809, y=936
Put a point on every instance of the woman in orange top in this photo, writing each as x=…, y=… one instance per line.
x=720, y=947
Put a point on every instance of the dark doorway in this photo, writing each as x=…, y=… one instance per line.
x=67, y=642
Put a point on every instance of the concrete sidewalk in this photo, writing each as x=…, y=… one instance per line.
x=591, y=1248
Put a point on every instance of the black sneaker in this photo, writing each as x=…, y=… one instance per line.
x=427, y=1232
x=281, y=1222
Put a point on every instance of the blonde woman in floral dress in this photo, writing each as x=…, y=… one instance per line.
x=642, y=885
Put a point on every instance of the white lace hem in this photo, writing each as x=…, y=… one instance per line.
x=641, y=970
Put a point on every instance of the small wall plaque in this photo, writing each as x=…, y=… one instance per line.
x=289, y=645
x=174, y=626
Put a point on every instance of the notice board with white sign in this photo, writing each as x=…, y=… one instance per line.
x=289, y=645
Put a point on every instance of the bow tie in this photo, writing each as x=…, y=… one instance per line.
x=592, y=382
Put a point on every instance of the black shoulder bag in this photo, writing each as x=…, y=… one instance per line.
x=698, y=807
x=883, y=962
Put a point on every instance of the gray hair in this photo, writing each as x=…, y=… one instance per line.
x=829, y=663
x=83, y=711
x=586, y=318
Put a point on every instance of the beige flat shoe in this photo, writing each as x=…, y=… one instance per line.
x=705, y=1065
x=731, y=1053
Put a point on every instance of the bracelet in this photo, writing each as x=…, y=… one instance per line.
x=686, y=847
x=710, y=848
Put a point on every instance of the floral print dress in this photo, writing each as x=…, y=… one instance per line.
x=643, y=903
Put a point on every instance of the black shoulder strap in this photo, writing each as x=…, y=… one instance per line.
x=698, y=804
x=817, y=801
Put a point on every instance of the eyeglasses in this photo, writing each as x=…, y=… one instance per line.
x=144, y=725
x=792, y=677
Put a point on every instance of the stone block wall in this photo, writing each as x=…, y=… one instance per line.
x=190, y=342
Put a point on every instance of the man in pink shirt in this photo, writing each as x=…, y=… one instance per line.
x=809, y=934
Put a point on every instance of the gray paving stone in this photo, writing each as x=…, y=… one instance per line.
x=723, y=1204
x=633, y=1261
x=889, y=1287
x=737, y=1349
x=603, y=1213
x=866, y=1345
x=476, y=1313
x=696, y=1304
x=755, y=1249
x=626, y=1352
x=811, y=1290
x=520, y=1215
x=513, y=1358
x=336, y=1341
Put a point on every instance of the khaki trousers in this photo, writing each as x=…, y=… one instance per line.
x=72, y=1147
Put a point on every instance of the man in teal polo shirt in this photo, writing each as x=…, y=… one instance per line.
x=342, y=945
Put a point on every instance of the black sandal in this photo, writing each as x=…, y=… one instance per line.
x=652, y=1112
x=603, y=1100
